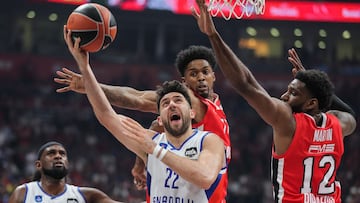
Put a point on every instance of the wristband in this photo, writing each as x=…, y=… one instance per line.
x=156, y=151
x=162, y=153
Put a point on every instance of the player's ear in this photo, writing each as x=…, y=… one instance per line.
x=37, y=164
x=192, y=114
x=312, y=103
x=159, y=121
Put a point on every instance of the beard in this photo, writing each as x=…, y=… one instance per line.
x=203, y=93
x=297, y=109
x=180, y=131
x=56, y=173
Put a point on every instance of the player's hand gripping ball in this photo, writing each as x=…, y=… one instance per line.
x=94, y=24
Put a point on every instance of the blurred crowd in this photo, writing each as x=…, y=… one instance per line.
x=32, y=113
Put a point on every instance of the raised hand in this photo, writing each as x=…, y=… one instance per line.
x=72, y=81
x=295, y=61
x=204, y=19
x=81, y=57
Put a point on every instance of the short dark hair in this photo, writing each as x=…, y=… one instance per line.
x=171, y=86
x=193, y=52
x=319, y=85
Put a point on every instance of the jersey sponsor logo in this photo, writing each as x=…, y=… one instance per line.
x=321, y=148
x=72, y=200
x=322, y=135
x=38, y=198
x=190, y=152
x=311, y=198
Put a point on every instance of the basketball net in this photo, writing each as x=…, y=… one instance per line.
x=236, y=8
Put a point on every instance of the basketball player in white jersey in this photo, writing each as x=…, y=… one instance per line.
x=184, y=165
x=49, y=182
x=196, y=66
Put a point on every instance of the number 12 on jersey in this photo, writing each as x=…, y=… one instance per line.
x=310, y=167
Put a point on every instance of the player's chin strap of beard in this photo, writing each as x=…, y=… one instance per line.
x=56, y=173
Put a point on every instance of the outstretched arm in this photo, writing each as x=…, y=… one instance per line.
x=120, y=96
x=120, y=126
x=240, y=77
x=130, y=133
x=93, y=195
x=273, y=111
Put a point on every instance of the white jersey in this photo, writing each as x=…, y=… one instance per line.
x=35, y=194
x=165, y=185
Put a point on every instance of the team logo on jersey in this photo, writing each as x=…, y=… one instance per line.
x=38, y=198
x=163, y=145
x=190, y=152
x=72, y=200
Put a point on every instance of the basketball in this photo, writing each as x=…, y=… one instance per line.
x=94, y=24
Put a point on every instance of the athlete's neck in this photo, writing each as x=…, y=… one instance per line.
x=52, y=187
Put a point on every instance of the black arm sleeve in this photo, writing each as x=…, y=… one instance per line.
x=338, y=104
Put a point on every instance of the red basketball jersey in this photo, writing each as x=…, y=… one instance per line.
x=215, y=121
x=306, y=171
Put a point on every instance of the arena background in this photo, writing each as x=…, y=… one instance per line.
x=142, y=56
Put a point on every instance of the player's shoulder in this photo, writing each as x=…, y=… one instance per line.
x=211, y=137
x=21, y=187
x=18, y=195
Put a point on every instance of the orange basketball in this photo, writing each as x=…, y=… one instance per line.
x=94, y=24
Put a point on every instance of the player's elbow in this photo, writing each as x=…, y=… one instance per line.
x=351, y=125
x=208, y=180
x=208, y=183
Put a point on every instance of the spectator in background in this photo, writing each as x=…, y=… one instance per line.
x=161, y=5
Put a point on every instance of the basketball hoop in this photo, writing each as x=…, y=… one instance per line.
x=236, y=8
